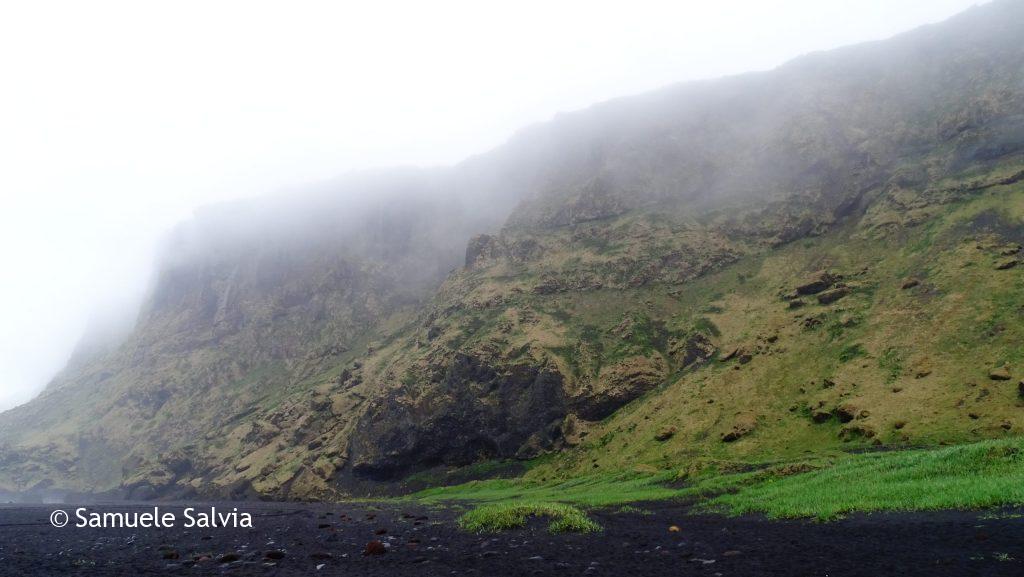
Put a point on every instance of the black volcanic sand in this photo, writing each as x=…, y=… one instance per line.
x=424, y=541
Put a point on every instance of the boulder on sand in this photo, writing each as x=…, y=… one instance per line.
x=374, y=548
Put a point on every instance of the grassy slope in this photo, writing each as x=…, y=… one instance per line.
x=985, y=474
x=911, y=364
x=969, y=476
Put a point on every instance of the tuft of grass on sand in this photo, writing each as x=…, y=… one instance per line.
x=495, y=517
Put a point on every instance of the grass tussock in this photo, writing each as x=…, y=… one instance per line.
x=495, y=517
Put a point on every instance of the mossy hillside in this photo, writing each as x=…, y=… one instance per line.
x=912, y=363
x=630, y=312
x=904, y=360
x=883, y=364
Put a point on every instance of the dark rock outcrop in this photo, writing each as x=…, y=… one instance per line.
x=665, y=434
x=1001, y=373
x=479, y=409
x=830, y=296
x=743, y=425
x=817, y=283
x=619, y=384
x=696, y=348
x=481, y=247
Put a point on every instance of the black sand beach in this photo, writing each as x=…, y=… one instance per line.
x=331, y=539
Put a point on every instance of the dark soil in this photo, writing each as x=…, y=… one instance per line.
x=294, y=539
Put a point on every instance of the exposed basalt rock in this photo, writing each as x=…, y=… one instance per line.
x=817, y=283
x=811, y=322
x=481, y=247
x=157, y=477
x=1001, y=373
x=743, y=425
x=830, y=296
x=540, y=442
x=574, y=430
x=819, y=415
x=479, y=409
x=851, y=432
x=696, y=348
x=332, y=350
x=665, y=433
x=598, y=198
x=619, y=384
x=847, y=412
x=553, y=285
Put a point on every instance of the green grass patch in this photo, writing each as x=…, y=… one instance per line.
x=987, y=474
x=851, y=352
x=630, y=509
x=588, y=491
x=495, y=517
x=891, y=362
x=974, y=476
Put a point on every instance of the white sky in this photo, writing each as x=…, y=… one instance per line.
x=117, y=119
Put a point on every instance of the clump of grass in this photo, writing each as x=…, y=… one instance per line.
x=495, y=517
x=705, y=325
x=985, y=474
x=637, y=510
x=851, y=352
x=891, y=362
x=998, y=516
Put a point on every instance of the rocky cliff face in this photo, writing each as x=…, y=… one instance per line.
x=567, y=290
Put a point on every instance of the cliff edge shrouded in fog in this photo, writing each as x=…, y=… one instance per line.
x=759, y=265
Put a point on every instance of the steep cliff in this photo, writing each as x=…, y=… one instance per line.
x=715, y=269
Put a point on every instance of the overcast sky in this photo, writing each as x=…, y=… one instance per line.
x=117, y=119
